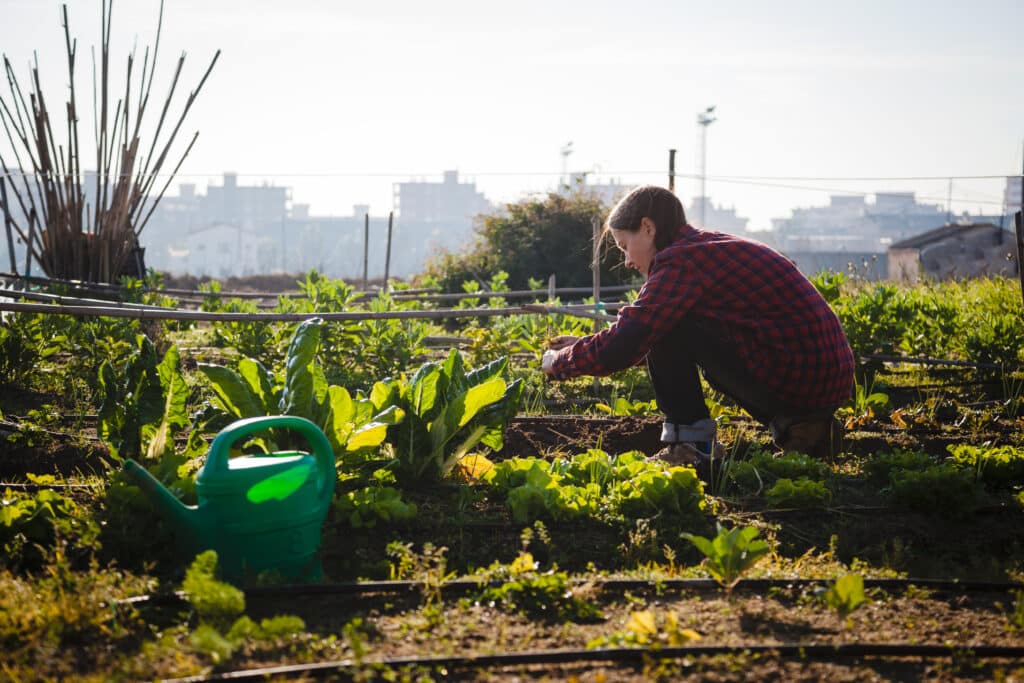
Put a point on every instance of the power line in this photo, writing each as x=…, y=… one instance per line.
x=692, y=176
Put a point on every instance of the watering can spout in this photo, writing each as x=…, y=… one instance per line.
x=182, y=518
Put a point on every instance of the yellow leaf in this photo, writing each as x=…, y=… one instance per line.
x=523, y=563
x=642, y=623
x=473, y=466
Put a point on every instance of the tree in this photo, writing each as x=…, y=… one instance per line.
x=534, y=238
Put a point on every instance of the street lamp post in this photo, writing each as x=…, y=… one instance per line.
x=704, y=119
x=566, y=151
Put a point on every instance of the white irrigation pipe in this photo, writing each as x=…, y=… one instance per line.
x=78, y=301
x=204, y=316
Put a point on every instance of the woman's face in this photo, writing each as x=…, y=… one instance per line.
x=637, y=247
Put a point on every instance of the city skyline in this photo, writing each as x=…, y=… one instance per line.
x=342, y=102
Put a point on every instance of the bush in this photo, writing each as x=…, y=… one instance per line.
x=533, y=238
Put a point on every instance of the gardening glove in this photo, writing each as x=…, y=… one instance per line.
x=561, y=341
x=547, y=361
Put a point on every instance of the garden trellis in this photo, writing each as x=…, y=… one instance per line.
x=44, y=193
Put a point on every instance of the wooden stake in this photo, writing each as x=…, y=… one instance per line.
x=671, y=170
x=595, y=224
x=1019, y=221
x=387, y=256
x=366, y=251
x=8, y=223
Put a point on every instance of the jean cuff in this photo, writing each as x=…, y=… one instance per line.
x=701, y=430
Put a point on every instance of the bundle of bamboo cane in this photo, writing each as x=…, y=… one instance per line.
x=43, y=195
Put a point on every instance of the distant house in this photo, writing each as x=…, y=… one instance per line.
x=956, y=250
x=219, y=251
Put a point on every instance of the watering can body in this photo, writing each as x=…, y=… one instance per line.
x=261, y=513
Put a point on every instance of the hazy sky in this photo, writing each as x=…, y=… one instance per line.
x=340, y=99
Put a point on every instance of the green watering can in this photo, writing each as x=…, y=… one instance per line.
x=260, y=512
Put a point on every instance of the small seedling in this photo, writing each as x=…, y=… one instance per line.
x=730, y=554
x=645, y=629
x=846, y=594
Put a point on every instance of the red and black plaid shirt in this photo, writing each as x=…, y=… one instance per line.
x=787, y=335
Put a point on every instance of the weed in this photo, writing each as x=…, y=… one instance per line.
x=729, y=555
x=522, y=588
x=1016, y=617
x=429, y=567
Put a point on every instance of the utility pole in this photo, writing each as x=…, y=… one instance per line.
x=671, y=170
x=566, y=151
x=704, y=119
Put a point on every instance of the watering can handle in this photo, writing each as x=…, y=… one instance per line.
x=217, y=461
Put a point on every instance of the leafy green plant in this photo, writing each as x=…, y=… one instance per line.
x=763, y=469
x=447, y=411
x=366, y=507
x=220, y=609
x=846, y=594
x=596, y=485
x=800, y=493
x=881, y=466
x=31, y=523
x=22, y=347
x=945, y=489
x=214, y=601
x=829, y=284
x=864, y=405
x=730, y=554
x=622, y=407
x=352, y=426
x=995, y=338
x=522, y=588
x=144, y=404
x=250, y=338
x=996, y=466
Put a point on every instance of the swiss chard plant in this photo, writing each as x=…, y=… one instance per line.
x=144, y=403
x=446, y=411
x=352, y=425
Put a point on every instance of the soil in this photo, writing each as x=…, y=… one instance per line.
x=399, y=627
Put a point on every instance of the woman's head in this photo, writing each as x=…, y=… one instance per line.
x=643, y=223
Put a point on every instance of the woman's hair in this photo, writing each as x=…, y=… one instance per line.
x=649, y=201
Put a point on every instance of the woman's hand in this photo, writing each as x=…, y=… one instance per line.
x=562, y=341
x=547, y=360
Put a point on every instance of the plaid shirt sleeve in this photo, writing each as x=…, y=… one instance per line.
x=786, y=334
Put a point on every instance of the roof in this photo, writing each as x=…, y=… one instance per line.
x=942, y=233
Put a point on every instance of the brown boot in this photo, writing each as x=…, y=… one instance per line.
x=817, y=438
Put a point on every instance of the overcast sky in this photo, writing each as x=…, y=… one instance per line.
x=341, y=99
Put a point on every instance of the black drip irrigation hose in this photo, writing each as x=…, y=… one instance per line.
x=634, y=656
x=463, y=586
